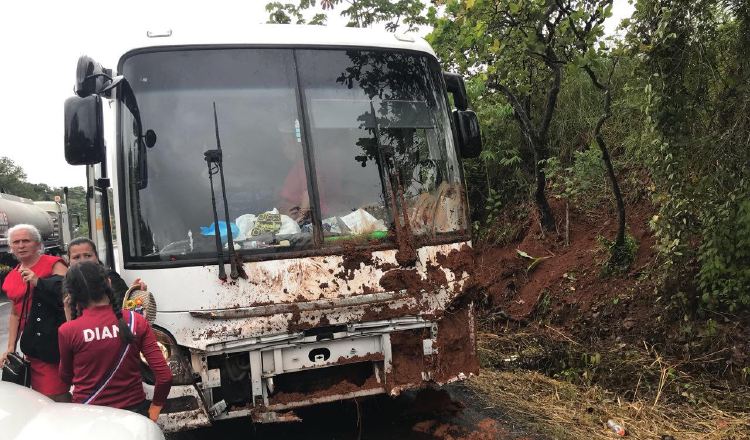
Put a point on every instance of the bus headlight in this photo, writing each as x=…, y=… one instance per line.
x=176, y=358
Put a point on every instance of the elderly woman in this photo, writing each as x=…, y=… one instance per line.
x=26, y=245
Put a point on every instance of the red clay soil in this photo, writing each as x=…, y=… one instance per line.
x=458, y=261
x=353, y=258
x=457, y=351
x=342, y=387
x=570, y=274
x=403, y=279
x=435, y=276
x=379, y=313
x=408, y=359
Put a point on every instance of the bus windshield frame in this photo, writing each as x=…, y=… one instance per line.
x=322, y=148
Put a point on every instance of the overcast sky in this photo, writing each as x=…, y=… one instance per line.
x=42, y=40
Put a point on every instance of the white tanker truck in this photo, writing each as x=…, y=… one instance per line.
x=50, y=217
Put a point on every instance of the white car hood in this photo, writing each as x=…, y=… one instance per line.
x=28, y=415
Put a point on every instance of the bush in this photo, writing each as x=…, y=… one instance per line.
x=619, y=258
x=584, y=183
x=724, y=257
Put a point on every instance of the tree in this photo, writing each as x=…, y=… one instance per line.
x=591, y=57
x=405, y=15
x=12, y=178
x=286, y=13
x=520, y=49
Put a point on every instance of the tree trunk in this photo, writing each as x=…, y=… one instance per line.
x=546, y=217
x=620, y=238
x=537, y=141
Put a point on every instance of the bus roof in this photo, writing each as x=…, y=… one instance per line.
x=284, y=35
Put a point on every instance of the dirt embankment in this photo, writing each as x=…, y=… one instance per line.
x=568, y=291
x=629, y=338
x=568, y=275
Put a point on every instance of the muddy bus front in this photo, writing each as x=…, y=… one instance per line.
x=294, y=199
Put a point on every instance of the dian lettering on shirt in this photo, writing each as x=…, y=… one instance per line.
x=97, y=333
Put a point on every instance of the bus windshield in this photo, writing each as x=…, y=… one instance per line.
x=319, y=147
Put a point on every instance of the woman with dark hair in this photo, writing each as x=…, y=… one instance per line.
x=32, y=289
x=83, y=249
x=100, y=347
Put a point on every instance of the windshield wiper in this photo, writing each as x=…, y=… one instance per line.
x=215, y=164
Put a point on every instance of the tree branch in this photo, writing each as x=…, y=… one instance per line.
x=518, y=107
x=551, y=103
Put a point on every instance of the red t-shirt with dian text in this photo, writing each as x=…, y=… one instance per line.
x=89, y=346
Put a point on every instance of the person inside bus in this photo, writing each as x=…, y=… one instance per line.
x=100, y=347
x=294, y=199
x=28, y=278
x=82, y=249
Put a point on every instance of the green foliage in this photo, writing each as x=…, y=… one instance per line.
x=619, y=258
x=12, y=177
x=724, y=257
x=289, y=13
x=77, y=206
x=534, y=261
x=404, y=15
x=584, y=182
x=13, y=181
x=520, y=50
x=696, y=67
x=544, y=305
x=494, y=204
x=501, y=175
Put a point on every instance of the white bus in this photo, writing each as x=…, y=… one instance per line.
x=294, y=198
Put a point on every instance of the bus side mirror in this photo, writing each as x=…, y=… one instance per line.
x=469, y=135
x=91, y=77
x=455, y=85
x=84, y=135
x=467, y=124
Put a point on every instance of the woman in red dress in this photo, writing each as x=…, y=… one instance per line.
x=26, y=245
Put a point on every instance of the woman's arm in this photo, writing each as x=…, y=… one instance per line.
x=29, y=276
x=66, y=356
x=67, y=306
x=162, y=373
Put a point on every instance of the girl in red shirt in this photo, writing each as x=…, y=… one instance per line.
x=99, y=350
